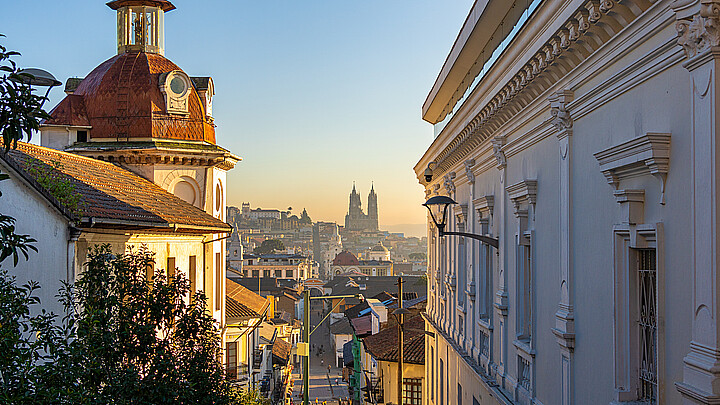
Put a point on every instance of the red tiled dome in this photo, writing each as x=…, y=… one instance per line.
x=122, y=100
x=345, y=258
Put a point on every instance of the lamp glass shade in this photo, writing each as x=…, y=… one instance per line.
x=438, y=209
x=38, y=77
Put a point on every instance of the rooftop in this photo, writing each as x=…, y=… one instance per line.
x=110, y=196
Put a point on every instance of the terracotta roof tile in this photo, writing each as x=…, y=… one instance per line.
x=236, y=310
x=70, y=111
x=112, y=195
x=123, y=100
x=383, y=345
x=246, y=297
x=281, y=350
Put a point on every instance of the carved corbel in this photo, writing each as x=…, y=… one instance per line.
x=559, y=114
x=468, y=170
x=449, y=183
x=497, y=143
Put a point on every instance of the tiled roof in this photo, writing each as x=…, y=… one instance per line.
x=236, y=310
x=383, y=345
x=70, y=111
x=123, y=100
x=111, y=196
x=281, y=350
x=244, y=296
x=341, y=327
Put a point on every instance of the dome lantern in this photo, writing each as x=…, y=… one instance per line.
x=140, y=25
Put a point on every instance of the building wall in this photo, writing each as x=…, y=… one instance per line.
x=53, y=263
x=389, y=371
x=633, y=86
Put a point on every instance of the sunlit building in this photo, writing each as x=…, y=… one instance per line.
x=136, y=136
x=582, y=135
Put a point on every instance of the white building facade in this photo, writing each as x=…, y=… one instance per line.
x=583, y=136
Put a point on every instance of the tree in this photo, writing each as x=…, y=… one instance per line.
x=139, y=340
x=417, y=256
x=20, y=109
x=269, y=246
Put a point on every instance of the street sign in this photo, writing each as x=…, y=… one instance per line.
x=302, y=349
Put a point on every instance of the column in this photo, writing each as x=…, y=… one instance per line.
x=501, y=295
x=564, y=317
x=698, y=35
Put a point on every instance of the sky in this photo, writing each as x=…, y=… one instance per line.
x=313, y=95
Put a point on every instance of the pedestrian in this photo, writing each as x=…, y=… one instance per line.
x=337, y=381
x=322, y=362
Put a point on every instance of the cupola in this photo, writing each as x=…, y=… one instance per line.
x=140, y=25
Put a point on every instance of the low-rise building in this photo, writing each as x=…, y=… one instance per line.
x=277, y=266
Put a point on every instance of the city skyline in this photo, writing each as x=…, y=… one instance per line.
x=358, y=70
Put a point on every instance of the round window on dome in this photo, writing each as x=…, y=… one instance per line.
x=178, y=85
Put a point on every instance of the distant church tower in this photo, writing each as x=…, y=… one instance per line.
x=356, y=219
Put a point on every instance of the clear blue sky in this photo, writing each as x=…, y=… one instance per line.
x=313, y=95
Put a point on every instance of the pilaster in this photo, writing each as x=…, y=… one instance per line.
x=501, y=295
x=699, y=35
x=564, y=329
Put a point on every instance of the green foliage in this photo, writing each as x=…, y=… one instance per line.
x=417, y=256
x=20, y=109
x=24, y=340
x=252, y=397
x=60, y=186
x=269, y=246
x=124, y=339
x=11, y=243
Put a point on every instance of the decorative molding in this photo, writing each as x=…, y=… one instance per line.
x=497, y=143
x=559, y=114
x=524, y=192
x=449, y=184
x=647, y=154
x=484, y=206
x=702, y=32
x=632, y=203
x=460, y=211
x=591, y=26
x=468, y=170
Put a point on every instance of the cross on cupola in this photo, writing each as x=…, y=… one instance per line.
x=140, y=25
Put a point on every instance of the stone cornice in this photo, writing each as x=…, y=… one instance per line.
x=591, y=26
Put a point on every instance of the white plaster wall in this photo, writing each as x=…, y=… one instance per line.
x=660, y=103
x=35, y=217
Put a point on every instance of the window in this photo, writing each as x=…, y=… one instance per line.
x=441, y=384
x=459, y=393
x=278, y=273
x=432, y=374
x=219, y=280
x=412, y=391
x=170, y=268
x=256, y=273
x=266, y=273
x=250, y=262
x=231, y=360
x=525, y=292
x=193, y=277
x=647, y=325
x=289, y=273
x=82, y=136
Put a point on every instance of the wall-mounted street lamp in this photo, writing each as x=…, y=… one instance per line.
x=438, y=206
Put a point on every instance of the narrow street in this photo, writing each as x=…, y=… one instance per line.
x=325, y=379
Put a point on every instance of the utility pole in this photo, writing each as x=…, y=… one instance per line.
x=306, y=339
x=400, y=340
